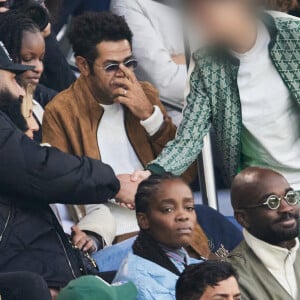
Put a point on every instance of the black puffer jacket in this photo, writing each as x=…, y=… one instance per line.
x=31, y=177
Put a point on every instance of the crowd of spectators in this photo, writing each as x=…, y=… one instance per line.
x=96, y=169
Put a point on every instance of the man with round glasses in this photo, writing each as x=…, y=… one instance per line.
x=268, y=260
x=106, y=114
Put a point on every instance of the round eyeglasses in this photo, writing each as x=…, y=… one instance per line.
x=273, y=202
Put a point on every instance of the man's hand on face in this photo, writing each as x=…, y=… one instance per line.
x=130, y=93
x=81, y=240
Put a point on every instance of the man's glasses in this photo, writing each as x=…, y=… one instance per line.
x=131, y=63
x=273, y=202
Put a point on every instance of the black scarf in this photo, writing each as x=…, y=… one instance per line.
x=146, y=247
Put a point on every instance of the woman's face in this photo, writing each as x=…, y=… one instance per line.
x=32, y=53
x=171, y=217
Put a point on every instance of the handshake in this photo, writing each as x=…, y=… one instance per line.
x=128, y=187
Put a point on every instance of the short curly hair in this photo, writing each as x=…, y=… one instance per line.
x=92, y=28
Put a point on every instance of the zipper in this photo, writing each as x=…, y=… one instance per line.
x=66, y=255
x=56, y=225
x=6, y=224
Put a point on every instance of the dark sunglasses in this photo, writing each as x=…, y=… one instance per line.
x=114, y=67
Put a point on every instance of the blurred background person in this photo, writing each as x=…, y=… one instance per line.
x=158, y=45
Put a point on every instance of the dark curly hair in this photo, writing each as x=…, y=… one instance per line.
x=92, y=28
x=145, y=246
x=193, y=282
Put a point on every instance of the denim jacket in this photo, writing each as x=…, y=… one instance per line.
x=152, y=281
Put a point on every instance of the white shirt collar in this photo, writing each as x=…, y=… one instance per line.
x=278, y=261
x=270, y=255
x=263, y=250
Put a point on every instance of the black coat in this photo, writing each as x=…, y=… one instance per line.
x=57, y=74
x=31, y=177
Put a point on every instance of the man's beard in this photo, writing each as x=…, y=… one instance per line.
x=11, y=106
x=275, y=236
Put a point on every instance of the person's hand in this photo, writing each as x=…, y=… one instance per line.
x=129, y=92
x=47, y=31
x=81, y=240
x=179, y=59
x=127, y=191
x=54, y=293
x=139, y=176
x=4, y=6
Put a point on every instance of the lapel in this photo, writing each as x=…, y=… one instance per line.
x=89, y=113
x=285, y=53
x=261, y=271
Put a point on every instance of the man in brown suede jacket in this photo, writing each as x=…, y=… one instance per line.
x=106, y=114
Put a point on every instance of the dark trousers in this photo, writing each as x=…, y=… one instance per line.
x=23, y=286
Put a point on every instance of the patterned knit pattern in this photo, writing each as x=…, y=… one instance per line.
x=214, y=101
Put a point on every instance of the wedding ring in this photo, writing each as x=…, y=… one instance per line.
x=125, y=93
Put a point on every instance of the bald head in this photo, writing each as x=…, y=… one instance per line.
x=250, y=190
x=252, y=184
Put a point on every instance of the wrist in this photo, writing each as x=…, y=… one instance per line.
x=153, y=124
x=147, y=114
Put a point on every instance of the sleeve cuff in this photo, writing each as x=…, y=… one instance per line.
x=155, y=169
x=154, y=122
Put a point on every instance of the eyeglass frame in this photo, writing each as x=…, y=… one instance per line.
x=132, y=59
x=267, y=202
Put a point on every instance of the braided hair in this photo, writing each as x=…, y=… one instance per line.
x=12, y=26
x=145, y=246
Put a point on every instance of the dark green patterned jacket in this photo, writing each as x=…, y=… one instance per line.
x=214, y=101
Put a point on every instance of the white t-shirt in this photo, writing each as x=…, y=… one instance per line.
x=117, y=151
x=271, y=118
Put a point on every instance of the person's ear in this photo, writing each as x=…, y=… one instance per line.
x=83, y=65
x=242, y=218
x=142, y=221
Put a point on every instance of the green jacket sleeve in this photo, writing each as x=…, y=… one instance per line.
x=181, y=152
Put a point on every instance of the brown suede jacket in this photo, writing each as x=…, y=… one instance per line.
x=71, y=122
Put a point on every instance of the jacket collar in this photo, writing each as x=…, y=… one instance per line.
x=270, y=255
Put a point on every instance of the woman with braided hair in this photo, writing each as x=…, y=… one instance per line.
x=166, y=215
x=26, y=45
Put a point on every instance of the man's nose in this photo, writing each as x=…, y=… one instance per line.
x=285, y=207
x=120, y=74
